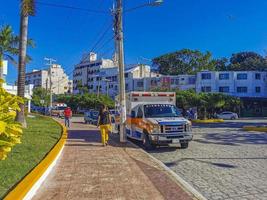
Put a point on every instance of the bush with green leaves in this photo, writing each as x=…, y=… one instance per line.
x=10, y=131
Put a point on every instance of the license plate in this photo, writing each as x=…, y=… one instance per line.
x=175, y=141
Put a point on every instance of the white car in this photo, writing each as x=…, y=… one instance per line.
x=227, y=115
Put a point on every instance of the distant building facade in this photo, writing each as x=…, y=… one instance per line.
x=59, y=79
x=88, y=66
x=249, y=86
x=234, y=83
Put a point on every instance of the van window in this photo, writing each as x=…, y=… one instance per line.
x=139, y=113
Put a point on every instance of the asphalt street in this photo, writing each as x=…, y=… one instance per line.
x=222, y=161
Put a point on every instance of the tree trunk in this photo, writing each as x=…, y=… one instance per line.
x=22, y=65
x=205, y=113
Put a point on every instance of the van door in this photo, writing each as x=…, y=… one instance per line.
x=136, y=127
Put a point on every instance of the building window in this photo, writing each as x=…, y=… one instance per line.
x=224, y=76
x=205, y=76
x=257, y=89
x=192, y=80
x=126, y=86
x=206, y=89
x=258, y=76
x=224, y=89
x=140, y=84
x=242, y=89
x=242, y=76
x=126, y=75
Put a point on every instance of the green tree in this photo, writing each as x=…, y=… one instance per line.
x=245, y=61
x=40, y=94
x=185, y=61
x=8, y=46
x=82, y=88
x=85, y=101
x=221, y=64
x=27, y=8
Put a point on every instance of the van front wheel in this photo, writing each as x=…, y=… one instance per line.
x=147, y=143
x=184, y=145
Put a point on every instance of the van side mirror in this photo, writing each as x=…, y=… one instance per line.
x=133, y=114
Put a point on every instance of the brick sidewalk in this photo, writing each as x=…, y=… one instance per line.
x=86, y=170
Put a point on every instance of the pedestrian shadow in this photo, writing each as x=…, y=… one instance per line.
x=93, y=138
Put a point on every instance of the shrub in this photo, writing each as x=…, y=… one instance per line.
x=10, y=131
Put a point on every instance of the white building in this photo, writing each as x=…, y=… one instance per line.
x=235, y=83
x=41, y=78
x=106, y=80
x=88, y=66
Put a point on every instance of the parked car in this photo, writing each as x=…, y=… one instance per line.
x=227, y=115
x=91, y=117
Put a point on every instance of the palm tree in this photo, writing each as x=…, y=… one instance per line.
x=8, y=47
x=27, y=9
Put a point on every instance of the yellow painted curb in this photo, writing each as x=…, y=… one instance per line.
x=24, y=186
x=255, y=128
x=207, y=120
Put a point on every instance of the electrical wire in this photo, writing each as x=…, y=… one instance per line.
x=71, y=7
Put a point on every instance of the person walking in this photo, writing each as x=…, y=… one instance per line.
x=104, y=122
x=67, y=116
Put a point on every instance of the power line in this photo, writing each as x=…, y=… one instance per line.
x=101, y=37
x=105, y=43
x=72, y=7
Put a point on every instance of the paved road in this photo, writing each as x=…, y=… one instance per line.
x=223, y=162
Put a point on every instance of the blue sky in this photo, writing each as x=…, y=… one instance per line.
x=220, y=26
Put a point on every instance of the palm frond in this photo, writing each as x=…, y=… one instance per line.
x=11, y=59
x=28, y=7
x=28, y=59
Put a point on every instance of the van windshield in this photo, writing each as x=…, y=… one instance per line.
x=61, y=107
x=161, y=110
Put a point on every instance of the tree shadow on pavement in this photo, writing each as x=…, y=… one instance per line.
x=229, y=124
x=217, y=164
x=209, y=161
x=234, y=138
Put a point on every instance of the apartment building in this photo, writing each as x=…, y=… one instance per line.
x=106, y=80
x=88, y=67
x=249, y=86
x=59, y=79
x=235, y=83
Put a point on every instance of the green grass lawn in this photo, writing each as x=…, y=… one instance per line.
x=39, y=137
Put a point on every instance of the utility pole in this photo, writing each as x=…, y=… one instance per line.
x=119, y=47
x=50, y=64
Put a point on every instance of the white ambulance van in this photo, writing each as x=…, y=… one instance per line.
x=153, y=118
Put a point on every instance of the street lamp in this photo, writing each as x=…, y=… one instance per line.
x=149, y=3
x=118, y=30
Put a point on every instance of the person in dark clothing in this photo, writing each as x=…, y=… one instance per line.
x=104, y=122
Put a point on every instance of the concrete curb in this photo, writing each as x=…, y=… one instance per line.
x=255, y=128
x=207, y=120
x=179, y=179
x=28, y=186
